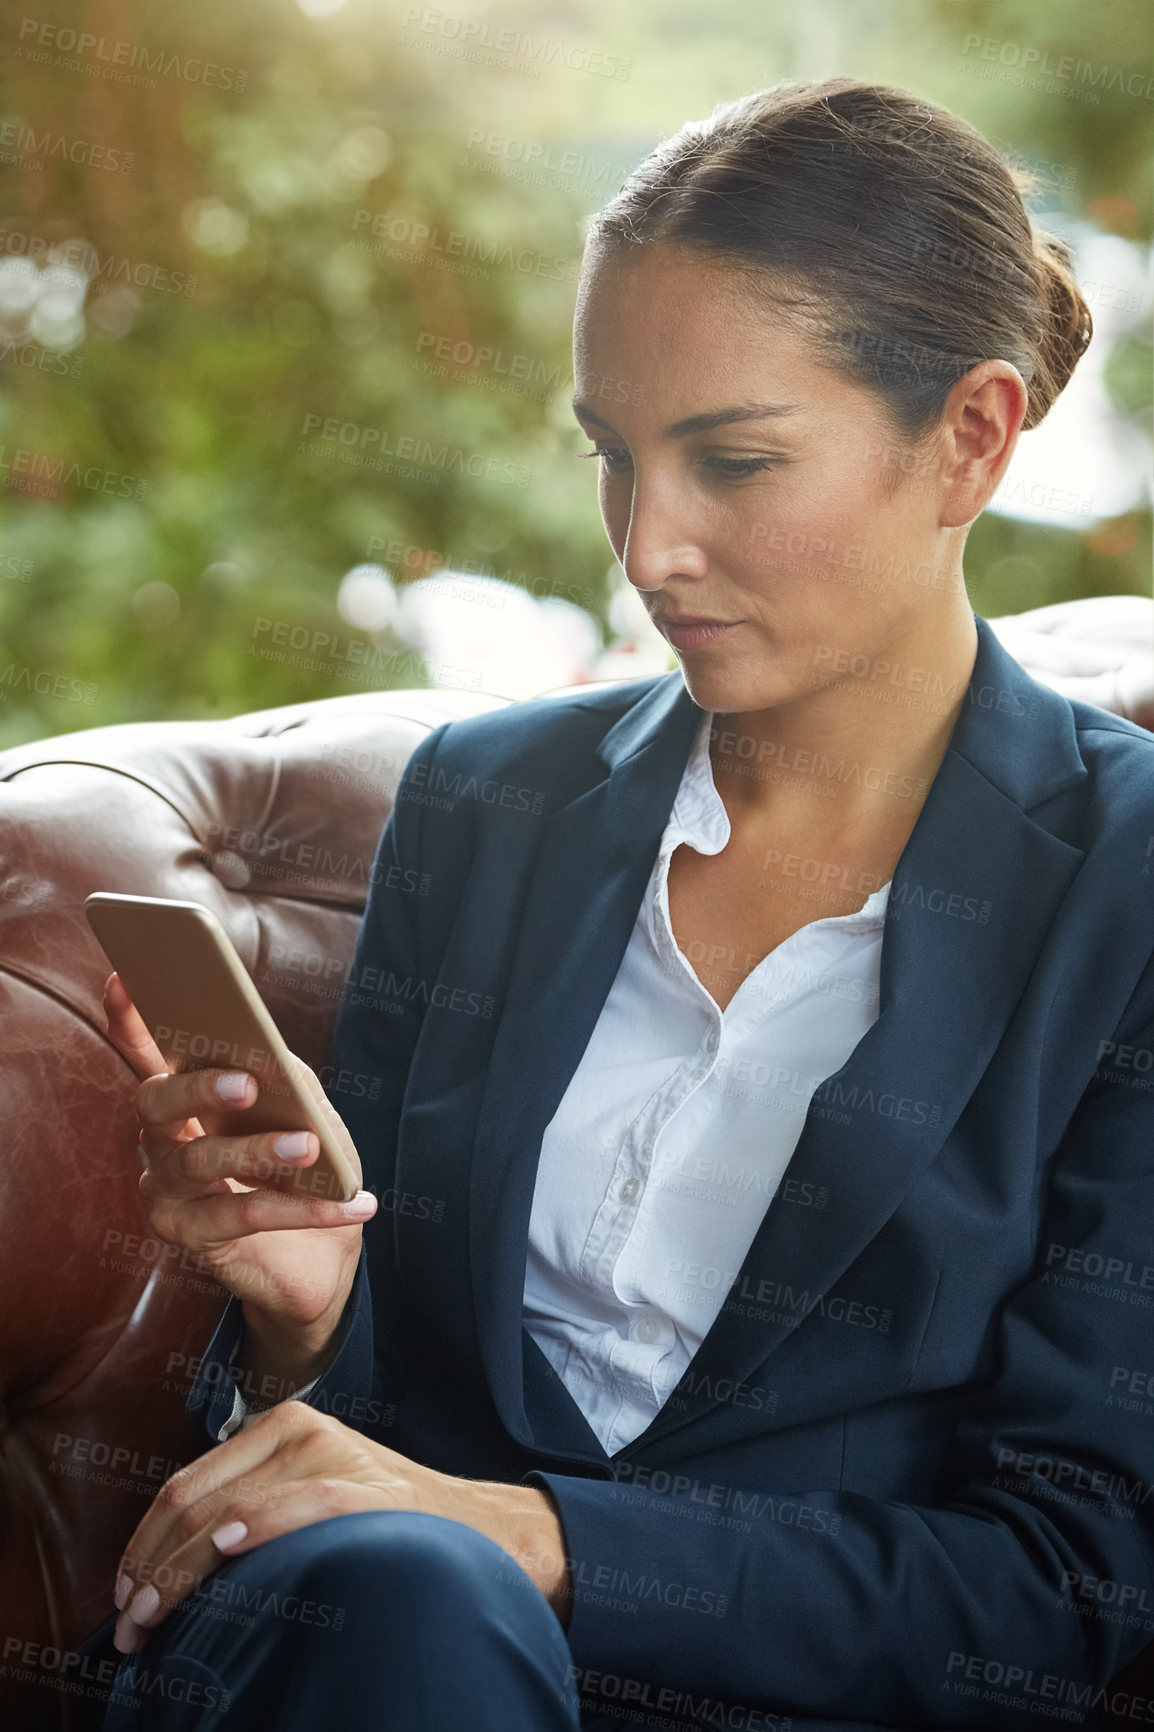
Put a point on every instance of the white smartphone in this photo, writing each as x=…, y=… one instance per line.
x=182, y=972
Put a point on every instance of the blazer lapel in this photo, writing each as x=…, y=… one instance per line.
x=589, y=876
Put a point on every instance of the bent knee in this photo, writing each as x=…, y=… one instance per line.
x=396, y=1555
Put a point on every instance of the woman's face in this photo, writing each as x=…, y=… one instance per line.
x=742, y=481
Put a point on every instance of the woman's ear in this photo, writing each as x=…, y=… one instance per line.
x=979, y=430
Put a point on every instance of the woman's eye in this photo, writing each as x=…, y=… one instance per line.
x=614, y=458
x=734, y=468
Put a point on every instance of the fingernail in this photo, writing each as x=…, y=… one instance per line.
x=232, y=1087
x=125, y=1588
x=294, y=1145
x=360, y=1207
x=144, y=1605
x=127, y=1636
x=228, y=1536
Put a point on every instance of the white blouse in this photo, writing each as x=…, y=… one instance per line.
x=675, y=1132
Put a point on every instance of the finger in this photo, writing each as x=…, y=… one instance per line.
x=127, y=1030
x=247, y=1464
x=174, y=1516
x=208, y=1221
x=232, y=1169
x=235, y=1527
x=165, y=1103
x=246, y=1524
x=194, y=1167
x=148, y=1596
x=322, y=1474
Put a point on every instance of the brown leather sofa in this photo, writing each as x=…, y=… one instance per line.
x=271, y=820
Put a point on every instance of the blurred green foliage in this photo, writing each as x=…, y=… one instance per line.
x=246, y=298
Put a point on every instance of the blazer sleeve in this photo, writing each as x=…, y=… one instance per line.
x=371, y=1059
x=1025, y=1589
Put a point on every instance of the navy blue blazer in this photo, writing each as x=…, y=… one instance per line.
x=909, y=1475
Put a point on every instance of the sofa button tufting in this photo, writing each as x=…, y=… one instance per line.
x=230, y=869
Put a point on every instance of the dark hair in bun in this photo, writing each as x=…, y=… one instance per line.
x=892, y=227
x=1067, y=329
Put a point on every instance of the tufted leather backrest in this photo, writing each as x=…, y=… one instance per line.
x=271, y=820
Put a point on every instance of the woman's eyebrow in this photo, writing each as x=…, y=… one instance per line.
x=701, y=423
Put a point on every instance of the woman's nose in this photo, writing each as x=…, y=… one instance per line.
x=662, y=539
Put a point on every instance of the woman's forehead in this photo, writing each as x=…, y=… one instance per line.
x=663, y=271
x=687, y=327
x=681, y=293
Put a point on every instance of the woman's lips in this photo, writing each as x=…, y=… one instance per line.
x=691, y=635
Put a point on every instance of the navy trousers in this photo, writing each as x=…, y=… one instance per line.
x=381, y=1622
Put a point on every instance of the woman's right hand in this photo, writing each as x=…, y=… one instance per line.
x=290, y=1259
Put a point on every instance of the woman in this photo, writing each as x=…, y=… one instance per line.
x=756, y=1107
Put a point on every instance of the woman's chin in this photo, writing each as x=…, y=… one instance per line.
x=732, y=691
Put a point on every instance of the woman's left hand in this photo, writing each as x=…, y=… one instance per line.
x=295, y=1466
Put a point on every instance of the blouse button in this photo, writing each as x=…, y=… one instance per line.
x=629, y=1190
